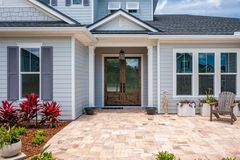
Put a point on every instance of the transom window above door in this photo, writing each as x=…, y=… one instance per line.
x=29, y=71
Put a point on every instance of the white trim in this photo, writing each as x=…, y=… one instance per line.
x=121, y=13
x=91, y=76
x=103, y=73
x=29, y=45
x=217, y=74
x=51, y=11
x=116, y=8
x=73, y=77
x=159, y=76
x=237, y=33
x=129, y=8
x=93, y=11
x=150, y=76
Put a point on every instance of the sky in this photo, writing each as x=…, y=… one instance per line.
x=222, y=8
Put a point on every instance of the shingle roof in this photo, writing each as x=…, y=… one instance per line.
x=38, y=24
x=194, y=25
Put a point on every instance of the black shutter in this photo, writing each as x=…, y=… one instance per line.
x=68, y=2
x=54, y=2
x=86, y=2
x=13, y=73
x=47, y=73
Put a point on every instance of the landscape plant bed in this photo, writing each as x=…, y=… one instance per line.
x=29, y=148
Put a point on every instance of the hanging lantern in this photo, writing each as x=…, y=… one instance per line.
x=122, y=55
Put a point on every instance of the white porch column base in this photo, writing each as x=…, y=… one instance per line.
x=150, y=76
x=91, y=76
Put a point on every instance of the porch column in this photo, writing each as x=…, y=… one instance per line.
x=91, y=76
x=150, y=76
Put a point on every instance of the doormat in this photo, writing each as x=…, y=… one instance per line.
x=112, y=108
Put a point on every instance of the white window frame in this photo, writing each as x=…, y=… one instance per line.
x=119, y=6
x=130, y=8
x=230, y=73
x=175, y=74
x=217, y=77
x=29, y=45
x=207, y=74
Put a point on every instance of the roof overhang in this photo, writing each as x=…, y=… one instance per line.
x=125, y=15
x=53, y=12
x=80, y=33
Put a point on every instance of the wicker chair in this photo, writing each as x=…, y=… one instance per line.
x=224, y=106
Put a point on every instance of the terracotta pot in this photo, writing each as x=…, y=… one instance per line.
x=89, y=110
x=151, y=110
x=11, y=150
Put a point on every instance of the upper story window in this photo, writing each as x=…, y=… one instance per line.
x=77, y=2
x=132, y=7
x=114, y=6
x=50, y=2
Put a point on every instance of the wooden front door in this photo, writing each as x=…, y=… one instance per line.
x=122, y=82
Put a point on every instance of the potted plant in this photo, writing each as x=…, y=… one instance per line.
x=205, y=105
x=186, y=108
x=10, y=143
x=89, y=110
x=151, y=110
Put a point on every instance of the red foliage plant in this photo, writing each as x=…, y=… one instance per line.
x=50, y=112
x=29, y=107
x=8, y=114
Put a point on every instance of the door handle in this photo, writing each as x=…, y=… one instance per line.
x=124, y=87
x=120, y=87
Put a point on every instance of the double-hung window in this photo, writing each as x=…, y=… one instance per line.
x=184, y=73
x=29, y=71
x=206, y=70
x=229, y=72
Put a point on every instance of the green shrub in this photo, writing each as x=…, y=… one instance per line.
x=21, y=130
x=39, y=137
x=229, y=158
x=165, y=156
x=8, y=135
x=43, y=155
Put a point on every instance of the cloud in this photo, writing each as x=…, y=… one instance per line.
x=229, y=8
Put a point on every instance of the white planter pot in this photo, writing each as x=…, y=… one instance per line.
x=205, y=110
x=11, y=150
x=236, y=110
x=186, y=110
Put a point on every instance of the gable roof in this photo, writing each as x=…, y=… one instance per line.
x=53, y=12
x=194, y=25
x=126, y=15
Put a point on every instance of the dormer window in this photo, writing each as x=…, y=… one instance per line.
x=114, y=6
x=50, y=2
x=77, y=2
x=132, y=7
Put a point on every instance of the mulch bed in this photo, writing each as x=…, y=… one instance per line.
x=30, y=149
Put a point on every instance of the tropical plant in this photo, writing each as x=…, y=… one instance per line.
x=29, y=107
x=43, y=155
x=50, y=113
x=21, y=130
x=39, y=137
x=165, y=156
x=8, y=114
x=8, y=136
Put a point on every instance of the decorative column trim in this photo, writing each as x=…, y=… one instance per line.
x=150, y=76
x=91, y=76
x=158, y=77
x=73, y=78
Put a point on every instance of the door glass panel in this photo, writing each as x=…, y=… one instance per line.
x=113, y=69
x=132, y=74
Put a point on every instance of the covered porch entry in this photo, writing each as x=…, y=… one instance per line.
x=119, y=76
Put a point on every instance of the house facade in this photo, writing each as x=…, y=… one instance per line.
x=99, y=53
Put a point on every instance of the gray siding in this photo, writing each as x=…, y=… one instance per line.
x=145, y=12
x=23, y=14
x=145, y=80
x=166, y=68
x=81, y=78
x=61, y=69
x=82, y=14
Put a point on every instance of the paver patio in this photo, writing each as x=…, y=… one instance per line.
x=131, y=135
